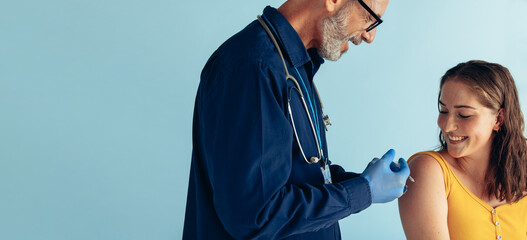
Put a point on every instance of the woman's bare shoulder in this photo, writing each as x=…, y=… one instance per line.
x=428, y=172
x=423, y=208
x=425, y=163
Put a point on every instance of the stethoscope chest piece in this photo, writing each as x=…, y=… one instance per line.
x=314, y=160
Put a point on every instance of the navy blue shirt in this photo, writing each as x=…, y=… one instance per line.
x=248, y=179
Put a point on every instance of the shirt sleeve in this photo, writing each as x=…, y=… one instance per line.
x=338, y=174
x=247, y=141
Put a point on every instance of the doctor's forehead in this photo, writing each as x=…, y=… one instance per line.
x=379, y=6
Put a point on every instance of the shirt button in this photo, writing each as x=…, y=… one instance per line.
x=499, y=237
x=493, y=211
x=497, y=223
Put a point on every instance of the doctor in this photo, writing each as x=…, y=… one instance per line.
x=260, y=167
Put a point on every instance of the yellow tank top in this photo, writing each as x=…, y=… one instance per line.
x=470, y=218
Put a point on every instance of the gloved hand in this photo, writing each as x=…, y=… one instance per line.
x=387, y=179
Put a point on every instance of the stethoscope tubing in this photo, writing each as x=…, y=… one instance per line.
x=320, y=152
x=297, y=88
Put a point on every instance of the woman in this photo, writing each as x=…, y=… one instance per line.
x=474, y=187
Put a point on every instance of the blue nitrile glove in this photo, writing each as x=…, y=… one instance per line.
x=387, y=180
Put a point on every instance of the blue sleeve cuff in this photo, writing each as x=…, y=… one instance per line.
x=359, y=193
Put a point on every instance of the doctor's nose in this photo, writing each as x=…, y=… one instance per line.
x=369, y=36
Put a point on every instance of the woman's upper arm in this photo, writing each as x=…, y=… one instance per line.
x=423, y=208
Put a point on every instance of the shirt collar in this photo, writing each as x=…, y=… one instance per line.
x=292, y=44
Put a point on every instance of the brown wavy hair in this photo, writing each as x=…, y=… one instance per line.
x=506, y=176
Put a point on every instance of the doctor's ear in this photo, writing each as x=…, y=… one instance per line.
x=500, y=119
x=334, y=5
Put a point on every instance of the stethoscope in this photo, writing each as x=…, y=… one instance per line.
x=288, y=76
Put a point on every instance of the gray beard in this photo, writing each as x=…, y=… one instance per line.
x=333, y=37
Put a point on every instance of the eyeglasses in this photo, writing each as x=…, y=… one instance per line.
x=378, y=20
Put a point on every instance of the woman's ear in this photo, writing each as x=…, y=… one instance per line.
x=500, y=118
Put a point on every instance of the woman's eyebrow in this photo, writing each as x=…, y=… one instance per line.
x=458, y=106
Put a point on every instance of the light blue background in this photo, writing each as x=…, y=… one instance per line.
x=96, y=101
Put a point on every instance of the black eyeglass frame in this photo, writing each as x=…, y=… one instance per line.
x=374, y=15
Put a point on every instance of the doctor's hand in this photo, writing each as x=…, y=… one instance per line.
x=387, y=179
